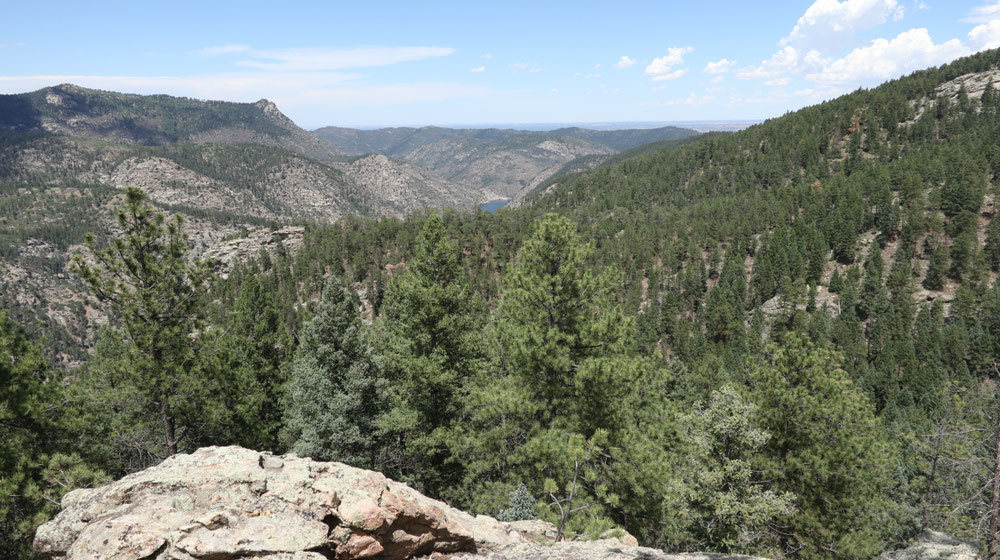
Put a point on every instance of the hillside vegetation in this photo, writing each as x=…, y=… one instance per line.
x=154, y=120
x=780, y=341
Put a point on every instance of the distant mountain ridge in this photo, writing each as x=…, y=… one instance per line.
x=67, y=151
x=155, y=120
x=507, y=161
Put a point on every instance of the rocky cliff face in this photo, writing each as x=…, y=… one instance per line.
x=227, y=503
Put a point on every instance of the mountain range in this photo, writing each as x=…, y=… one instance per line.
x=66, y=151
x=508, y=162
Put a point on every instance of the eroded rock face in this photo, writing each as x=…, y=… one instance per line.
x=223, y=503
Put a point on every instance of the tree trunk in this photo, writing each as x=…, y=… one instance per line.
x=168, y=428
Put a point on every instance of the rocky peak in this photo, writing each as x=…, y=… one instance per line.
x=271, y=110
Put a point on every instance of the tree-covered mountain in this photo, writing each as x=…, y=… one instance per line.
x=66, y=152
x=506, y=161
x=155, y=120
x=780, y=341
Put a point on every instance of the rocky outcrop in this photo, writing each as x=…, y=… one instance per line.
x=227, y=503
x=934, y=545
x=224, y=503
x=227, y=253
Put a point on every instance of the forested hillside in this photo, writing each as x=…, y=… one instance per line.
x=155, y=120
x=779, y=341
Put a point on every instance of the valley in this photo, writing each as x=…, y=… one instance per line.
x=777, y=338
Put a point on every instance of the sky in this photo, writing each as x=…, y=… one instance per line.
x=466, y=63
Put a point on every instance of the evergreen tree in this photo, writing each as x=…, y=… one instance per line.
x=36, y=466
x=157, y=294
x=731, y=506
x=336, y=395
x=430, y=341
x=573, y=406
x=563, y=329
x=827, y=448
x=256, y=351
x=991, y=248
x=937, y=270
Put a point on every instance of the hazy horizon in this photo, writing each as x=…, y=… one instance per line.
x=699, y=125
x=523, y=62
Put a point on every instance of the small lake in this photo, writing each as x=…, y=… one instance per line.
x=494, y=205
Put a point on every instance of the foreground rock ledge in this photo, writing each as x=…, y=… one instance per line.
x=223, y=503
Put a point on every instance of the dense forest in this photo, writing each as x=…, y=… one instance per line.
x=781, y=341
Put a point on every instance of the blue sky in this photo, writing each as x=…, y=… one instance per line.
x=448, y=63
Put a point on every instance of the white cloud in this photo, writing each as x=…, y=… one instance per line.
x=720, y=66
x=535, y=70
x=6, y=45
x=322, y=58
x=478, y=69
x=487, y=55
x=592, y=76
x=597, y=67
x=985, y=36
x=718, y=79
x=884, y=59
x=625, y=62
x=671, y=76
x=662, y=68
x=828, y=24
x=984, y=14
x=778, y=82
x=221, y=49
x=786, y=61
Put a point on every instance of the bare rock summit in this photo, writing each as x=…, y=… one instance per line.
x=227, y=503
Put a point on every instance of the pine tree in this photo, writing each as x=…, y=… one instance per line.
x=570, y=403
x=562, y=327
x=991, y=249
x=937, y=270
x=826, y=447
x=34, y=446
x=336, y=395
x=430, y=340
x=157, y=294
x=255, y=351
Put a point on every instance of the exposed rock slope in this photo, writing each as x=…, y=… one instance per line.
x=224, y=503
x=247, y=180
x=507, y=162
